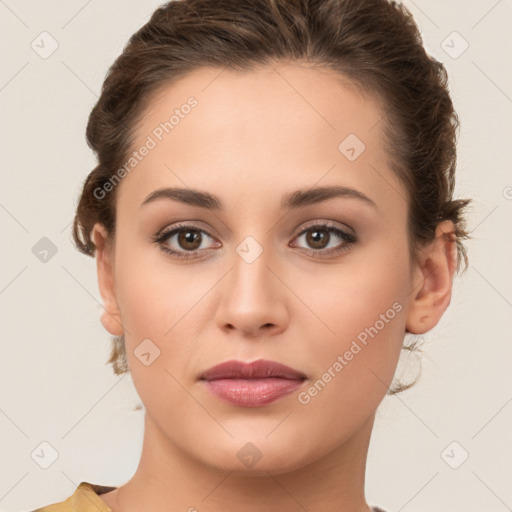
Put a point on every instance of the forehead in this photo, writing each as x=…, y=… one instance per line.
x=275, y=127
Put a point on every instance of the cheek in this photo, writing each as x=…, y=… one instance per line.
x=162, y=303
x=149, y=290
x=154, y=310
x=360, y=318
x=353, y=367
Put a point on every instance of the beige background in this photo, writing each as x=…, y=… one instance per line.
x=54, y=384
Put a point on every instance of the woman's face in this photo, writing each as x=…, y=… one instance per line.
x=266, y=274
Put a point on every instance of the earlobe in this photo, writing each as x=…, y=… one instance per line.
x=432, y=291
x=110, y=317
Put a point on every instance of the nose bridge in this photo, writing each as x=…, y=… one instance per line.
x=251, y=297
x=251, y=277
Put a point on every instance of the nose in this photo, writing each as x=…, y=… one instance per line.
x=253, y=298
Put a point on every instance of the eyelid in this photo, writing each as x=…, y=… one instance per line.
x=167, y=230
x=326, y=223
x=192, y=224
x=170, y=231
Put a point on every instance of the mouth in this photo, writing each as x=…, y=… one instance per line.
x=251, y=384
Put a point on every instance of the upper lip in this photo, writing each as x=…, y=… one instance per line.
x=261, y=368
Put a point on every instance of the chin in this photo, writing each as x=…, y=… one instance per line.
x=254, y=455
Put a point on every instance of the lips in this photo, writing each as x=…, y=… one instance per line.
x=251, y=384
x=259, y=369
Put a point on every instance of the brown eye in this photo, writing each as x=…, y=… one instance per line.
x=189, y=239
x=321, y=240
x=184, y=241
x=318, y=238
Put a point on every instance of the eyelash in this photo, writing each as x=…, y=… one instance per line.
x=348, y=238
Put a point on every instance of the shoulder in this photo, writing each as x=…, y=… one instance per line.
x=84, y=499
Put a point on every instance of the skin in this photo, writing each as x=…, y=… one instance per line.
x=251, y=139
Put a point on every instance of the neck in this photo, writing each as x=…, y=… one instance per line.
x=170, y=479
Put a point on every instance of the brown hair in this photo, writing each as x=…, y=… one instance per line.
x=375, y=43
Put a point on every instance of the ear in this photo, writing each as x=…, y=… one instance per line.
x=433, y=282
x=111, y=317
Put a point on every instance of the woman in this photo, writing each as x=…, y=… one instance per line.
x=272, y=211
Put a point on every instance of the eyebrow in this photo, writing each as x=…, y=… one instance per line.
x=291, y=201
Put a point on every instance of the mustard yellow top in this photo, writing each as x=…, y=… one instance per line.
x=86, y=498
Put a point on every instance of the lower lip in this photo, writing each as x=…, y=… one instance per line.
x=252, y=392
